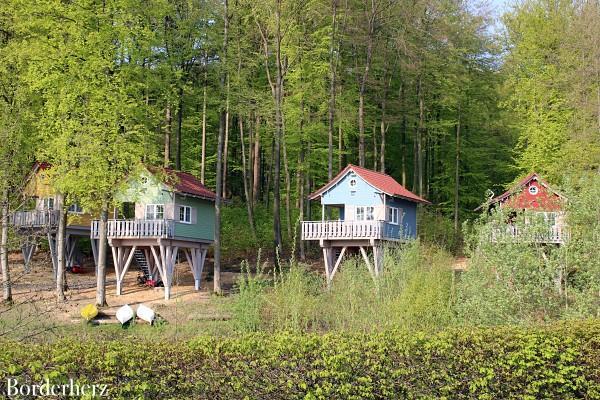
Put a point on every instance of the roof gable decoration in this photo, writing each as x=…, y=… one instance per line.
x=378, y=180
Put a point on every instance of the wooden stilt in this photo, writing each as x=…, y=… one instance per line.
x=94, y=243
x=27, y=249
x=53, y=255
x=201, y=258
x=71, y=245
x=338, y=262
x=367, y=261
x=124, y=262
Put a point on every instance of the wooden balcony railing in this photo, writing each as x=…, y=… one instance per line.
x=34, y=219
x=135, y=228
x=557, y=234
x=331, y=230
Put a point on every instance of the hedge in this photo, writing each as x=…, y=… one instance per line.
x=558, y=361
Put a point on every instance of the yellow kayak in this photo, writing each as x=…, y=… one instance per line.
x=89, y=312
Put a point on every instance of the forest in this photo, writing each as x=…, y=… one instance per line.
x=266, y=101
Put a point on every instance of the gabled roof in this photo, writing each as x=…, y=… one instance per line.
x=518, y=187
x=184, y=183
x=378, y=180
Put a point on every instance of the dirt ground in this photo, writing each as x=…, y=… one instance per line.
x=37, y=285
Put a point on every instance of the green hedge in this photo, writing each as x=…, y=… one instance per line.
x=560, y=361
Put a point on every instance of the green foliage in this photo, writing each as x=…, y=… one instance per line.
x=511, y=280
x=558, y=361
x=414, y=292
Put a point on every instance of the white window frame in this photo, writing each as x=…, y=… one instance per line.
x=365, y=213
x=48, y=203
x=533, y=189
x=187, y=214
x=393, y=215
x=155, y=211
x=75, y=209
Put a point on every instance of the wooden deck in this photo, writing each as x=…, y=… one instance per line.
x=556, y=234
x=349, y=230
x=135, y=228
x=34, y=219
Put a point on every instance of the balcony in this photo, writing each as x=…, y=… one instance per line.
x=556, y=234
x=35, y=219
x=351, y=230
x=135, y=228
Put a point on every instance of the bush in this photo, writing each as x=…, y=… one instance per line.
x=557, y=361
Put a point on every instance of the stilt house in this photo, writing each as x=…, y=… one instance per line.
x=534, y=203
x=165, y=213
x=39, y=218
x=361, y=209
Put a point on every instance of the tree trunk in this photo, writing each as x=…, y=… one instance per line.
x=102, y=242
x=277, y=89
x=61, y=248
x=179, y=126
x=332, y=79
x=403, y=129
x=340, y=147
x=256, y=168
x=288, y=183
x=383, y=127
x=363, y=86
x=220, y=144
x=168, y=124
x=420, y=138
x=6, y=285
x=203, y=157
x=245, y=180
x=226, y=141
x=457, y=173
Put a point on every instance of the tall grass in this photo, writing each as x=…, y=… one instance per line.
x=414, y=292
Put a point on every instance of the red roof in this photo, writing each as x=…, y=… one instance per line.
x=520, y=185
x=186, y=183
x=378, y=180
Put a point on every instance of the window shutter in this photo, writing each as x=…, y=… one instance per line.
x=194, y=215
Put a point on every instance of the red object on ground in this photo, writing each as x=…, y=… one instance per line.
x=76, y=269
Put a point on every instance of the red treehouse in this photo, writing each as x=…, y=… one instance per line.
x=537, y=212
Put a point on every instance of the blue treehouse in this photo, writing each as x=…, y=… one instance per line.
x=361, y=208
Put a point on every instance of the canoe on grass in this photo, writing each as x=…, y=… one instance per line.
x=125, y=314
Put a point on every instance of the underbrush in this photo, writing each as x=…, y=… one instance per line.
x=414, y=292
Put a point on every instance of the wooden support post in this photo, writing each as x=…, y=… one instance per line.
x=71, y=244
x=338, y=262
x=158, y=263
x=327, y=259
x=94, y=243
x=378, y=260
x=367, y=261
x=53, y=255
x=27, y=249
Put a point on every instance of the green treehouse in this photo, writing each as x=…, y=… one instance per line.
x=164, y=212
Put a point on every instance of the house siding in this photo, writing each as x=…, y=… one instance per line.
x=408, y=218
x=341, y=193
x=203, y=218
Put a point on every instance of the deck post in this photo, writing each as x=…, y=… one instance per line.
x=53, y=256
x=27, y=249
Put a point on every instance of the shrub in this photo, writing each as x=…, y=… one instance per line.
x=557, y=361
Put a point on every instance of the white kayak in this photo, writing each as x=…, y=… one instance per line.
x=125, y=314
x=146, y=313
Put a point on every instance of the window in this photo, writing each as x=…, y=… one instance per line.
x=75, y=208
x=48, y=203
x=352, y=182
x=155, y=211
x=533, y=190
x=393, y=215
x=550, y=218
x=365, y=213
x=185, y=214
